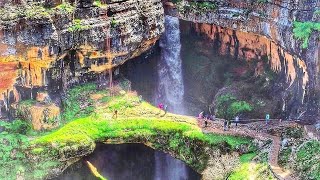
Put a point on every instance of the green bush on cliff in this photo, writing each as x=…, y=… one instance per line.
x=64, y=8
x=302, y=31
x=77, y=102
x=36, y=12
x=228, y=106
x=78, y=25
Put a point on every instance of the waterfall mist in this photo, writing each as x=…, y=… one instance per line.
x=171, y=88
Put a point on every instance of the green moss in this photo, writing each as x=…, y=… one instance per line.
x=64, y=8
x=284, y=156
x=36, y=12
x=78, y=25
x=248, y=171
x=27, y=103
x=37, y=150
x=77, y=103
x=90, y=121
x=99, y=4
x=308, y=160
x=140, y=122
x=247, y=157
x=302, y=31
x=12, y=147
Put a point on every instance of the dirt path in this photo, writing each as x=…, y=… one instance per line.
x=278, y=172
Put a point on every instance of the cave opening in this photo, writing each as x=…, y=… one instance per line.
x=215, y=62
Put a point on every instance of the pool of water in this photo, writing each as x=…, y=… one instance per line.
x=130, y=162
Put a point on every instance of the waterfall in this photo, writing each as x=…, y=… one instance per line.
x=165, y=167
x=171, y=88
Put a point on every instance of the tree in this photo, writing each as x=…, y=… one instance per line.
x=228, y=106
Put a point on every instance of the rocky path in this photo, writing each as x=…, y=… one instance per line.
x=242, y=130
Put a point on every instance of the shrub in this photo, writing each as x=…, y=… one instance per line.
x=228, y=106
x=64, y=8
x=78, y=25
x=303, y=30
x=308, y=160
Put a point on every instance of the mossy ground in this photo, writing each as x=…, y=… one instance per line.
x=251, y=169
x=137, y=121
x=88, y=118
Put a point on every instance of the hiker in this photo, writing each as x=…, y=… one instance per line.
x=140, y=99
x=200, y=116
x=205, y=122
x=212, y=117
x=267, y=118
x=225, y=124
x=115, y=114
x=237, y=120
x=165, y=109
x=160, y=106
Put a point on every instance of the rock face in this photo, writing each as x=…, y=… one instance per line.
x=251, y=29
x=42, y=116
x=47, y=42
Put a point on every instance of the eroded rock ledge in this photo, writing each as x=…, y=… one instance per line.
x=266, y=26
x=43, y=42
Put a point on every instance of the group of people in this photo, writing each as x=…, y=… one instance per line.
x=163, y=107
x=226, y=123
x=206, y=117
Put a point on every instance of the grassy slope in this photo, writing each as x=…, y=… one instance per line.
x=137, y=121
x=134, y=120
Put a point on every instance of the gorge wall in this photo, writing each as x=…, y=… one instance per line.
x=42, y=42
x=51, y=45
x=264, y=29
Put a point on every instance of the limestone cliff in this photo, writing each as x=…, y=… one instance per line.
x=251, y=29
x=68, y=42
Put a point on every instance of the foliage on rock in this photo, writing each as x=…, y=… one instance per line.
x=13, y=143
x=228, y=106
x=303, y=30
x=308, y=158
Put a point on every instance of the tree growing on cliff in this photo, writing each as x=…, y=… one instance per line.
x=229, y=106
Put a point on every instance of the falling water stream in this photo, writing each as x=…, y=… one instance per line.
x=171, y=87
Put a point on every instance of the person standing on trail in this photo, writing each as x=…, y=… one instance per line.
x=160, y=106
x=267, y=118
x=115, y=114
x=140, y=99
x=205, y=122
x=237, y=120
x=165, y=109
x=225, y=125
x=212, y=117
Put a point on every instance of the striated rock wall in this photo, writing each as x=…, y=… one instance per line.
x=250, y=29
x=49, y=41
